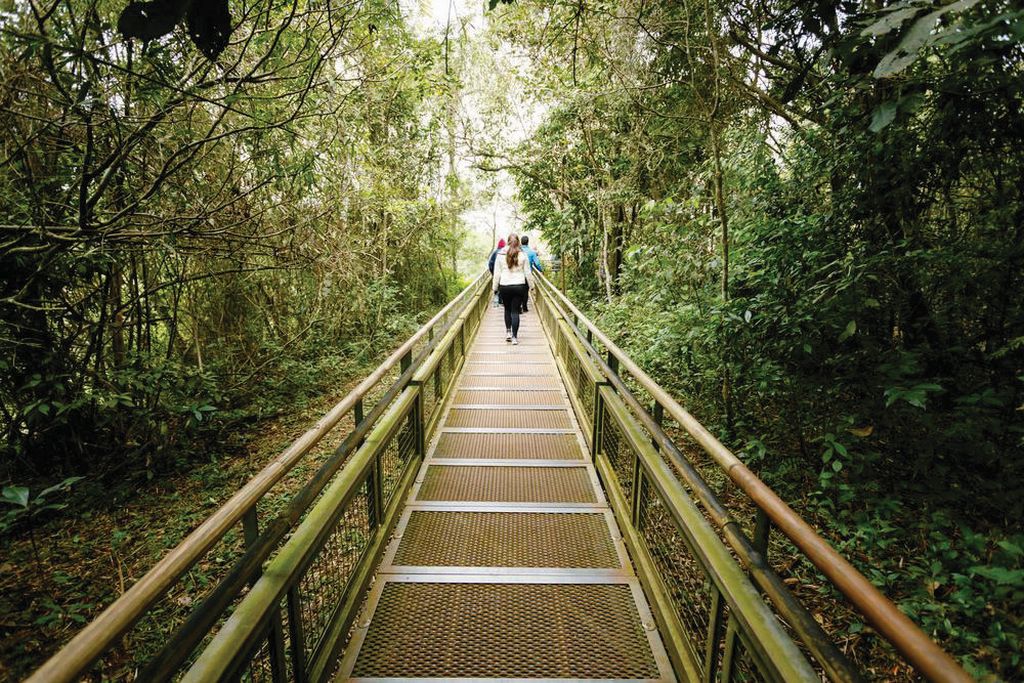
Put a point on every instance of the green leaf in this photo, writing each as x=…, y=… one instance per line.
x=851, y=328
x=837, y=465
x=1001, y=575
x=16, y=495
x=59, y=487
x=1011, y=548
x=883, y=116
x=890, y=21
x=917, y=37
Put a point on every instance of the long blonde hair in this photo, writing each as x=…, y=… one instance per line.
x=512, y=253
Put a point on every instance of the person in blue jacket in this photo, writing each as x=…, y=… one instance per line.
x=490, y=261
x=534, y=263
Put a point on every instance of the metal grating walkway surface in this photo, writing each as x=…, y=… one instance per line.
x=506, y=563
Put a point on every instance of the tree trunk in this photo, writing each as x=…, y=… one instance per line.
x=605, y=269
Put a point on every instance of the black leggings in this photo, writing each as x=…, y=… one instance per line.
x=512, y=296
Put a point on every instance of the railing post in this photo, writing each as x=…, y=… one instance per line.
x=638, y=486
x=729, y=656
x=298, y=636
x=421, y=424
x=278, y=666
x=435, y=384
x=357, y=415
x=373, y=509
x=250, y=526
x=275, y=642
x=375, y=495
x=762, y=530
x=597, y=429
x=715, y=628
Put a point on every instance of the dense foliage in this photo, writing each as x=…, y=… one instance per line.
x=807, y=220
x=804, y=218
x=188, y=241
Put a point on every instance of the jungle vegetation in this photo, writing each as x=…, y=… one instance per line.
x=804, y=219
x=188, y=247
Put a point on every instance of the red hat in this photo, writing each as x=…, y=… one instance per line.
x=501, y=244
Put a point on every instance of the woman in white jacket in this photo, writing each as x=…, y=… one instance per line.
x=512, y=279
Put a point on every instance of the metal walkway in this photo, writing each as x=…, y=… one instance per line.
x=478, y=511
x=507, y=561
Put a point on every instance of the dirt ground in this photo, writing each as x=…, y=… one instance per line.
x=56, y=579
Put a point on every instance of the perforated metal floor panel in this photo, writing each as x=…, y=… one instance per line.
x=501, y=397
x=507, y=539
x=525, y=418
x=496, y=342
x=511, y=382
x=508, y=446
x=507, y=564
x=513, y=369
x=508, y=484
x=459, y=630
x=512, y=354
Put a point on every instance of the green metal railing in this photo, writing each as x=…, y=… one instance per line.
x=283, y=608
x=723, y=612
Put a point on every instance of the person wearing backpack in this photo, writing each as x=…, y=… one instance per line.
x=535, y=264
x=490, y=267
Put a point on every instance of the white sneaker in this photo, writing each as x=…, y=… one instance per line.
x=515, y=342
x=508, y=336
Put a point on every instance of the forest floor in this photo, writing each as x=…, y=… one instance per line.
x=86, y=556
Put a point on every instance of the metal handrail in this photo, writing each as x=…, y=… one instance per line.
x=230, y=650
x=103, y=631
x=243, y=629
x=924, y=654
x=780, y=655
x=810, y=632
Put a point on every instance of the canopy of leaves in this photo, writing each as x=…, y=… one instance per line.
x=807, y=220
x=184, y=239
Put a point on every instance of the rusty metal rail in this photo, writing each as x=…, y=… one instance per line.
x=423, y=361
x=605, y=385
x=542, y=478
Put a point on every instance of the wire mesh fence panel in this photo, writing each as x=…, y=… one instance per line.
x=260, y=668
x=740, y=664
x=687, y=583
x=616, y=448
x=582, y=385
x=395, y=456
x=324, y=582
x=430, y=395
